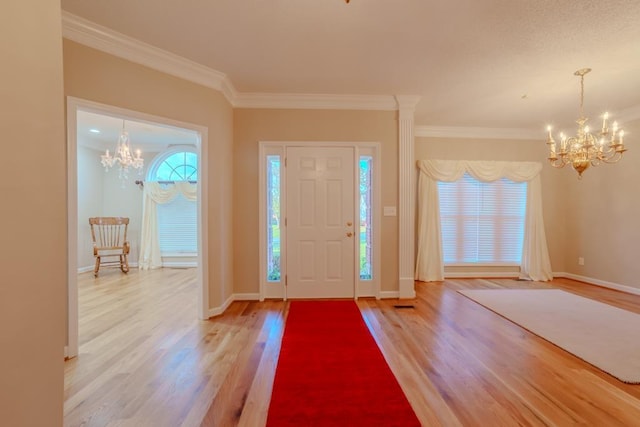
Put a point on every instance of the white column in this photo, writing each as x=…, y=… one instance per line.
x=407, y=205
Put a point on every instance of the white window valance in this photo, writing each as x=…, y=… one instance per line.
x=154, y=194
x=485, y=171
x=535, y=255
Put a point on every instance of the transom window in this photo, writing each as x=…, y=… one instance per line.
x=176, y=166
x=482, y=222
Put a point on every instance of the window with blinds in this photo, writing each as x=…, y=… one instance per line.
x=482, y=222
x=178, y=219
x=177, y=227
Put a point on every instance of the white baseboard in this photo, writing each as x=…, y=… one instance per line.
x=389, y=294
x=367, y=295
x=407, y=287
x=367, y=289
x=598, y=282
x=91, y=267
x=478, y=275
x=217, y=311
x=246, y=297
x=179, y=264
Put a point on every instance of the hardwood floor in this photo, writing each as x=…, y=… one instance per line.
x=145, y=359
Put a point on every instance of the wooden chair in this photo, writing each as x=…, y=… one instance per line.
x=109, y=236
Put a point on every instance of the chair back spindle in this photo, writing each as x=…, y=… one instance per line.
x=109, y=235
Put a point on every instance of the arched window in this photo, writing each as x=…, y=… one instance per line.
x=178, y=219
x=177, y=164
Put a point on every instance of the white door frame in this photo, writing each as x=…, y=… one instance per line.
x=363, y=288
x=73, y=106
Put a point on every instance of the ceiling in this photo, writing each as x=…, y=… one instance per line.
x=474, y=63
x=101, y=132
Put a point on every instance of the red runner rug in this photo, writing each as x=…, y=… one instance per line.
x=331, y=372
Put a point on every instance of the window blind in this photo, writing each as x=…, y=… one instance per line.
x=177, y=227
x=482, y=222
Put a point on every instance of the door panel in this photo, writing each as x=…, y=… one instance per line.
x=320, y=218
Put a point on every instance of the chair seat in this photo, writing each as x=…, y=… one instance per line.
x=110, y=251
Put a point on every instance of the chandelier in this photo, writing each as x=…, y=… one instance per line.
x=587, y=148
x=123, y=157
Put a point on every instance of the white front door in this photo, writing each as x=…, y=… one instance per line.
x=320, y=222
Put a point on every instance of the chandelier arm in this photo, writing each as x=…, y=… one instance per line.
x=615, y=158
x=558, y=162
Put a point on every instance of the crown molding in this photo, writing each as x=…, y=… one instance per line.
x=477, y=132
x=105, y=39
x=316, y=101
x=90, y=34
x=407, y=103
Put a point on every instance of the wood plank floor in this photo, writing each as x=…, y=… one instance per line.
x=145, y=359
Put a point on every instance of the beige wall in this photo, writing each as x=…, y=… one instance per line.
x=122, y=201
x=253, y=125
x=101, y=193
x=33, y=214
x=90, y=200
x=553, y=186
x=96, y=76
x=603, y=217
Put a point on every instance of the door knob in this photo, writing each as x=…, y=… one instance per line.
x=349, y=223
x=349, y=234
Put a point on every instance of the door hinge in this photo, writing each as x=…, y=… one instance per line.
x=285, y=162
x=286, y=280
x=285, y=222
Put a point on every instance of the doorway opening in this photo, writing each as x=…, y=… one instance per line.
x=93, y=128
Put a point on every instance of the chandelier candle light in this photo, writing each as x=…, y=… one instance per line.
x=123, y=157
x=586, y=148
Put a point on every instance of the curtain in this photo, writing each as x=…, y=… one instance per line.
x=535, y=255
x=155, y=194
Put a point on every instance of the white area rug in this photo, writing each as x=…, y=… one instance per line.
x=600, y=334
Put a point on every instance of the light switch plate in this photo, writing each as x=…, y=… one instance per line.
x=389, y=211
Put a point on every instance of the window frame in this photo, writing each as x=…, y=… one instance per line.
x=150, y=175
x=165, y=154
x=363, y=287
x=483, y=263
